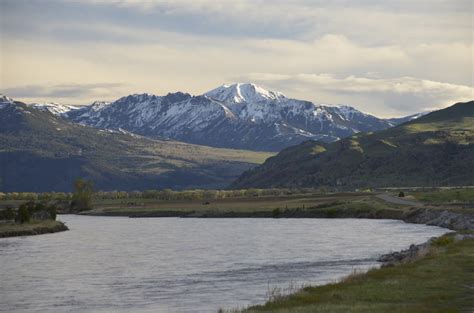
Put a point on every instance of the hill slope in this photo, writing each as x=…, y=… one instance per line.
x=242, y=116
x=43, y=152
x=436, y=149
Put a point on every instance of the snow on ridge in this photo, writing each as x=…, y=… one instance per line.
x=53, y=107
x=97, y=105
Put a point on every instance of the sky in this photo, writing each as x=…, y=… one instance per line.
x=388, y=58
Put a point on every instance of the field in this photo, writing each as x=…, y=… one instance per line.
x=341, y=204
x=334, y=204
x=441, y=282
x=261, y=204
x=447, y=196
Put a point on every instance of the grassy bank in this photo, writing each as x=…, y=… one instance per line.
x=34, y=227
x=282, y=206
x=461, y=196
x=327, y=205
x=443, y=281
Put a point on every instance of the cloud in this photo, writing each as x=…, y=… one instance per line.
x=169, y=45
x=382, y=96
x=367, y=21
x=62, y=91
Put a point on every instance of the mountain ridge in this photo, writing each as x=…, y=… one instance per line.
x=241, y=116
x=41, y=151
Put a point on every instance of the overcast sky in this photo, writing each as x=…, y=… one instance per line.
x=389, y=58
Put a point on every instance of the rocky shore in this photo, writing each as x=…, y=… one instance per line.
x=415, y=252
x=441, y=218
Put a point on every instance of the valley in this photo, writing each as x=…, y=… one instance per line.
x=43, y=152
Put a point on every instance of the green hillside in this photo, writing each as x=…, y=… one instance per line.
x=42, y=152
x=434, y=150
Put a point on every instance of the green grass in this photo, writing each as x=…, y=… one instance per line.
x=446, y=196
x=434, y=150
x=443, y=281
x=4, y=228
x=249, y=204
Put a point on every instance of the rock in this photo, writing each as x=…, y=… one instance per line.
x=411, y=254
x=441, y=218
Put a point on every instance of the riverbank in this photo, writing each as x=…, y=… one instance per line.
x=361, y=207
x=31, y=228
x=441, y=279
x=436, y=276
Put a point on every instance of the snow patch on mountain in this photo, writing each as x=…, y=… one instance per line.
x=53, y=107
x=241, y=115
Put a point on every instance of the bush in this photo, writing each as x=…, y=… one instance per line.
x=276, y=212
x=401, y=194
x=443, y=241
x=7, y=214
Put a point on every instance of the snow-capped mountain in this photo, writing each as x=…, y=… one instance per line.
x=232, y=116
x=53, y=107
x=4, y=101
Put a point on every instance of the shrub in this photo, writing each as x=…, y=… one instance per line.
x=276, y=212
x=7, y=214
x=443, y=241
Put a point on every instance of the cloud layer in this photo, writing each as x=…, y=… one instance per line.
x=389, y=58
x=396, y=96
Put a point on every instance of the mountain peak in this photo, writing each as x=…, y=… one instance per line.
x=4, y=100
x=243, y=93
x=97, y=105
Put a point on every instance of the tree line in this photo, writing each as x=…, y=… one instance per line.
x=84, y=190
x=28, y=211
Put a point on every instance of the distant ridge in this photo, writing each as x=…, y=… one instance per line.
x=40, y=151
x=434, y=150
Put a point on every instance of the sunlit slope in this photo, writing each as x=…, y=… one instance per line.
x=434, y=150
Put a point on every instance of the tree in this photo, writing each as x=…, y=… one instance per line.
x=82, y=196
x=52, y=210
x=401, y=194
x=23, y=214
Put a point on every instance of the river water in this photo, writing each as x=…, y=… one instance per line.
x=117, y=264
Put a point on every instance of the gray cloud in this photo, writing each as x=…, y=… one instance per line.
x=386, y=97
x=62, y=90
x=434, y=20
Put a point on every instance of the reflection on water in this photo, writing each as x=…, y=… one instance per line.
x=115, y=264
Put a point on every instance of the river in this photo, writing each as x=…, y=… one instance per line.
x=118, y=264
